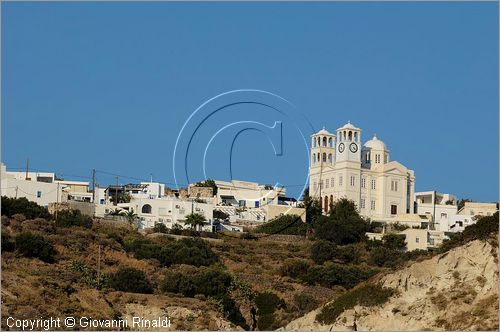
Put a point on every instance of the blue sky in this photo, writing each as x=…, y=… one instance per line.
x=110, y=85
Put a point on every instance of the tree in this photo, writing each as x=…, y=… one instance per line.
x=312, y=206
x=194, y=220
x=343, y=225
x=461, y=202
x=220, y=215
x=131, y=215
x=116, y=212
x=394, y=241
x=290, y=224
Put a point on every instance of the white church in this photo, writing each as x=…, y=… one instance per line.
x=342, y=167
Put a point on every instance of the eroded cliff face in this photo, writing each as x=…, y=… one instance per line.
x=457, y=290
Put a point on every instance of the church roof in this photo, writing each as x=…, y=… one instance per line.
x=348, y=125
x=323, y=132
x=375, y=144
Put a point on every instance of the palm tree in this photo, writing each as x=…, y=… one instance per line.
x=116, y=212
x=195, y=220
x=131, y=215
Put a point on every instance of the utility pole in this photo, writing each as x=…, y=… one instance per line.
x=99, y=268
x=434, y=211
x=93, y=186
x=116, y=192
x=57, y=200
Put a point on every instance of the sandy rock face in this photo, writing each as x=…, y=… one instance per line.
x=457, y=290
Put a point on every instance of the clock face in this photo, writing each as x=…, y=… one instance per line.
x=341, y=147
x=353, y=147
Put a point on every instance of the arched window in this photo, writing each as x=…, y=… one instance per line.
x=330, y=142
x=350, y=135
x=319, y=159
x=146, y=208
x=330, y=160
x=314, y=157
x=324, y=141
x=345, y=135
x=319, y=141
x=325, y=207
x=324, y=157
x=356, y=136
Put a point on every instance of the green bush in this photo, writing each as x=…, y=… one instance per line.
x=191, y=251
x=366, y=295
x=130, y=280
x=31, y=210
x=394, y=241
x=7, y=243
x=322, y=251
x=69, y=218
x=267, y=303
x=382, y=256
x=343, y=225
x=212, y=282
x=266, y=322
x=288, y=225
x=304, y=302
x=160, y=228
x=33, y=245
x=483, y=229
x=295, y=268
x=331, y=275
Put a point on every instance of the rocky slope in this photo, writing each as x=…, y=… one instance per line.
x=457, y=290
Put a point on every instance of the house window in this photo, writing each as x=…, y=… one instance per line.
x=353, y=180
x=38, y=194
x=394, y=209
x=333, y=182
x=373, y=184
x=327, y=184
x=417, y=240
x=146, y=208
x=363, y=183
x=340, y=180
x=394, y=185
x=372, y=205
x=362, y=203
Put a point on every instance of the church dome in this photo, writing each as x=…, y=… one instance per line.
x=375, y=144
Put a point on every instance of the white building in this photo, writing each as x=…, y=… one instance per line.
x=466, y=216
x=437, y=205
x=169, y=211
x=247, y=194
x=342, y=167
x=36, y=186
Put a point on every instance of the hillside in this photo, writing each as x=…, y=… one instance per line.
x=456, y=290
x=67, y=284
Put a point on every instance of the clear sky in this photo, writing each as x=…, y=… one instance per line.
x=109, y=85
